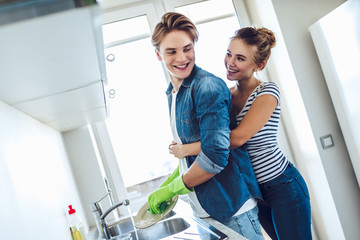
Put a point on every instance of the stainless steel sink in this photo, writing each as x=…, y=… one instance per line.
x=179, y=224
x=158, y=231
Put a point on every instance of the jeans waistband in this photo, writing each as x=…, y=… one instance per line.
x=289, y=172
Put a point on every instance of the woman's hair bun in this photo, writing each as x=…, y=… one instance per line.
x=269, y=35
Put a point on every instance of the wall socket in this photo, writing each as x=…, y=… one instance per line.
x=327, y=141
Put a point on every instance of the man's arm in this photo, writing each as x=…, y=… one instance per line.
x=212, y=100
x=195, y=176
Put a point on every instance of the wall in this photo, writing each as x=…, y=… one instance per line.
x=342, y=77
x=87, y=148
x=294, y=18
x=86, y=169
x=36, y=183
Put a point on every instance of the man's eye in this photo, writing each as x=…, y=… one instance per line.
x=171, y=52
x=187, y=49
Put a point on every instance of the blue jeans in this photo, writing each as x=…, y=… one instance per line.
x=285, y=212
x=246, y=224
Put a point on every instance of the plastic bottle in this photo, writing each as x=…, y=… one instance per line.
x=76, y=226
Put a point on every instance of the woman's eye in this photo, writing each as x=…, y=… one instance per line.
x=187, y=49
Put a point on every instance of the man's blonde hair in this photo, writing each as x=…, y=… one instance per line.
x=172, y=21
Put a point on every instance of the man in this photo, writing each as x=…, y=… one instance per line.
x=219, y=182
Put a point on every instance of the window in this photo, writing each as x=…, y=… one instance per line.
x=216, y=22
x=138, y=123
x=139, y=120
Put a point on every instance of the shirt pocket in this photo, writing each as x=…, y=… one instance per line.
x=189, y=126
x=188, y=117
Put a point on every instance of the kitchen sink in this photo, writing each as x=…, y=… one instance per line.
x=179, y=224
x=158, y=231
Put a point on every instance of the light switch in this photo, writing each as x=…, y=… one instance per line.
x=327, y=141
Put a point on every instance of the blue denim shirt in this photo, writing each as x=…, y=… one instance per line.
x=204, y=113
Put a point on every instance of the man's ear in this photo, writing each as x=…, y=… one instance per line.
x=158, y=55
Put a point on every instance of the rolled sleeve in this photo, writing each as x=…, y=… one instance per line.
x=212, y=109
x=207, y=165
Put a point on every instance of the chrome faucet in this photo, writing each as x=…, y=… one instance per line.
x=98, y=212
x=103, y=216
x=100, y=216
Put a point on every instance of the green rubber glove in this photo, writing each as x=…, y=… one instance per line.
x=175, y=187
x=174, y=175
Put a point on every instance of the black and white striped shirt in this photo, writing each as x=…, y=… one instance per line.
x=266, y=157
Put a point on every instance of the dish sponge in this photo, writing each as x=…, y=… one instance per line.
x=162, y=206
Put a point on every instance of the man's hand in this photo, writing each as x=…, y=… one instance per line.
x=157, y=197
x=175, y=187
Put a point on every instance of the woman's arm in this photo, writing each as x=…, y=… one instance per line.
x=254, y=120
x=183, y=150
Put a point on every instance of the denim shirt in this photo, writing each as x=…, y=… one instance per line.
x=204, y=113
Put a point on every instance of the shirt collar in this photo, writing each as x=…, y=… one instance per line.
x=187, y=81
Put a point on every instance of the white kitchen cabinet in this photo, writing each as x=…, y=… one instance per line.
x=68, y=110
x=53, y=67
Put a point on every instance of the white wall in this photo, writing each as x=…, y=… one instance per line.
x=36, y=183
x=87, y=147
x=294, y=18
x=87, y=169
x=87, y=172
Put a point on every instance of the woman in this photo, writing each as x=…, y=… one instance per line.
x=285, y=211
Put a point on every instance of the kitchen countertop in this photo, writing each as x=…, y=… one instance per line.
x=93, y=233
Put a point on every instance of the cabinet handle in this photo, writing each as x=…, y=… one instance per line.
x=110, y=57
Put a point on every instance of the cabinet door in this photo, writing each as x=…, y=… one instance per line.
x=48, y=55
x=52, y=67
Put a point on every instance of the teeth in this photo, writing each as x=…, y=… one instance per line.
x=230, y=70
x=182, y=66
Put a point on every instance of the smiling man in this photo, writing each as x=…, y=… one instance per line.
x=220, y=183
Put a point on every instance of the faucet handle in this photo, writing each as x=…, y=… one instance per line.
x=96, y=206
x=126, y=202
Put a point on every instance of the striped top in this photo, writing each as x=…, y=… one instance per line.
x=266, y=157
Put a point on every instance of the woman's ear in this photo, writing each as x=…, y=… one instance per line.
x=261, y=65
x=158, y=55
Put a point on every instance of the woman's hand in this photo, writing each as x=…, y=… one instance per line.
x=183, y=150
x=178, y=150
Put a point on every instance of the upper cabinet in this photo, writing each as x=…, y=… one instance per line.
x=53, y=67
